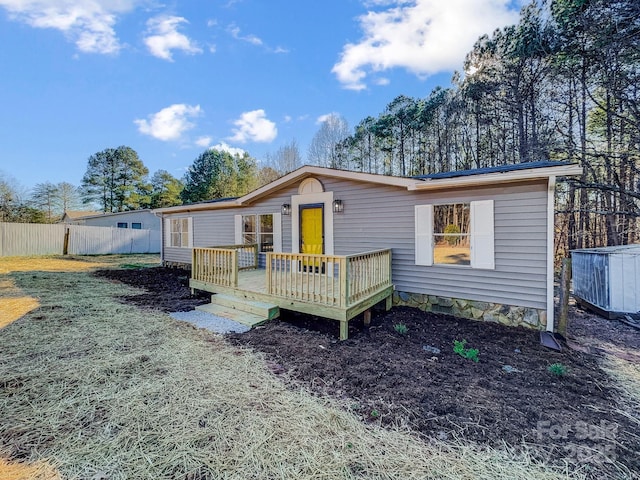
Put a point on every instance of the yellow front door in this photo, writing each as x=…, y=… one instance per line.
x=311, y=231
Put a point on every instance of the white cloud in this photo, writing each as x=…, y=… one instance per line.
x=88, y=23
x=234, y=30
x=422, y=36
x=170, y=122
x=163, y=37
x=204, y=141
x=224, y=147
x=254, y=127
x=327, y=117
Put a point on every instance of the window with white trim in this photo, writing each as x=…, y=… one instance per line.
x=136, y=225
x=180, y=232
x=455, y=234
x=263, y=229
x=258, y=229
x=122, y=225
x=452, y=234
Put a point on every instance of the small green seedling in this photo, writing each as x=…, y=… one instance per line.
x=470, y=353
x=401, y=328
x=374, y=414
x=557, y=369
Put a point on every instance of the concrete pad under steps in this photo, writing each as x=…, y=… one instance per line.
x=262, y=309
x=245, y=318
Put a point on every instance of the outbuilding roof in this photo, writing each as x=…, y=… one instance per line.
x=80, y=215
x=75, y=214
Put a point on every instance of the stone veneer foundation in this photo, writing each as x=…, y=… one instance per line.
x=474, y=310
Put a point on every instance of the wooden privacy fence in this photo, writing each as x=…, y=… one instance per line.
x=20, y=239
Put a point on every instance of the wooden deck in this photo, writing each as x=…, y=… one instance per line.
x=330, y=286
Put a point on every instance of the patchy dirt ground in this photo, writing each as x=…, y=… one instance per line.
x=417, y=379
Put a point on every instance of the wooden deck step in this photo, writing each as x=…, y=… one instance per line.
x=245, y=318
x=262, y=309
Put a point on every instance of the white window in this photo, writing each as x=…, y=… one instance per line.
x=265, y=230
x=258, y=229
x=455, y=234
x=249, y=229
x=179, y=232
x=265, y=233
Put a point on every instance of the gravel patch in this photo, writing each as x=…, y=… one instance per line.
x=210, y=322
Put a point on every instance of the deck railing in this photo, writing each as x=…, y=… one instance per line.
x=247, y=255
x=367, y=273
x=220, y=265
x=307, y=278
x=332, y=280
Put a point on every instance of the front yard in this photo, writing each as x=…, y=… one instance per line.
x=97, y=382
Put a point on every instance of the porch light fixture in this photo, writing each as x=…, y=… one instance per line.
x=286, y=209
x=338, y=206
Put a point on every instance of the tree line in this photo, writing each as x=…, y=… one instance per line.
x=562, y=84
x=117, y=180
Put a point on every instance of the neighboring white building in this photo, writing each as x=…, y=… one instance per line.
x=136, y=219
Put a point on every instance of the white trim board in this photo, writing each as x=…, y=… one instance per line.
x=551, y=192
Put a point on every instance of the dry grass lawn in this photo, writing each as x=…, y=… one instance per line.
x=25, y=471
x=103, y=390
x=14, y=305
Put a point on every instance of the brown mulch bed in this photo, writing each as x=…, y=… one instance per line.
x=384, y=376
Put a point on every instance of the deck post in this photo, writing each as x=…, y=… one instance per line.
x=268, y=271
x=367, y=317
x=344, y=329
x=234, y=264
x=255, y=256
x=344, y=285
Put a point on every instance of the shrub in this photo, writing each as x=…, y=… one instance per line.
x=470, y=353
x=401, y=328
x=557, y=369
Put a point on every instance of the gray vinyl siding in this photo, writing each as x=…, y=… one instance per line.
x=378, y=216
x=217, y=227
x=383, y=217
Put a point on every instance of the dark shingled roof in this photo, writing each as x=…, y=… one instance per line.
x=500, y=169
x=215, y=200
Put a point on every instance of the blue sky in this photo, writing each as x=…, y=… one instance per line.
x=172, y=79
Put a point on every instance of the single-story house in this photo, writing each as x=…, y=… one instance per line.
x=137, y=219
x=476, y=244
